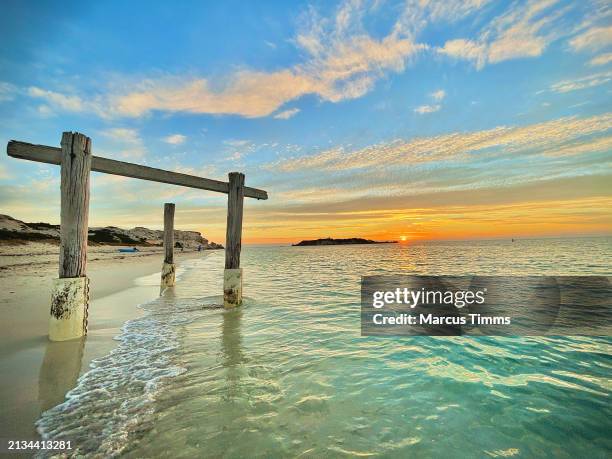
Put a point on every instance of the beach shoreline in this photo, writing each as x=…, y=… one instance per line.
x=38, y=373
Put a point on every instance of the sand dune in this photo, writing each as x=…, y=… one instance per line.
x=17, y=232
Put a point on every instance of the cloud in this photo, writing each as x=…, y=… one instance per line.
x=236, y=142
x=126, y=135
x=540, y=138
x=175, y=139
x=237, y=149
x=286, y=114
x=523, y=31
x=563, y=188
x=580, y=146
x=121, y=143
x=246, y=93
x=465, y=49
x=8, y=91
x=341, y=61
x=423, y=109
x=438, y=95
x=342, y=68
x=418, y=14
x=45, y=111
x=592, y=39
x=602, y=59
x=58, y=100
x=581, y=83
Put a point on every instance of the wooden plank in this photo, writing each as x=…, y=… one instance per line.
x=233, y=237
x=75, y=166
x=52, y=155
x=169, y=233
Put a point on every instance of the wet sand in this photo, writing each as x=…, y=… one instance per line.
x=36, y=373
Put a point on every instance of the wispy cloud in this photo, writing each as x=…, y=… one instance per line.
x=122, y=143
x=237, y=149
x=602, y=59
x=237, y=142
x=537, y=138
x=8, y=91
x=438, y=95
x=58, y=100
x=582, y=83
x=175, y=139
x=423, y=109
x=341, y=61
x=286, y=114
x=465, y=49
x=523, y=31
x=593, y=39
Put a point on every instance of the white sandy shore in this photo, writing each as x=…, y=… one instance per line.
x=40, y=258
x=36, y=373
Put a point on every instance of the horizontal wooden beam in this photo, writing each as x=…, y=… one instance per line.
x=52, y=155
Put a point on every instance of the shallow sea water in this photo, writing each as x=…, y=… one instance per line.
x=288, y=374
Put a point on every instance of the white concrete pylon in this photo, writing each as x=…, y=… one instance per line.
x=232, y=288
x=168, y=276
x=69, y=308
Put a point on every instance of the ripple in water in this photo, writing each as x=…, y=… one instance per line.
x=290, y=375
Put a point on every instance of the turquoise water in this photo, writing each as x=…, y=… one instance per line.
x=288, y=375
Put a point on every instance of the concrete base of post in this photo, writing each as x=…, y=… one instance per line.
x=69, y=304
x=168, y=275
x=232, y=288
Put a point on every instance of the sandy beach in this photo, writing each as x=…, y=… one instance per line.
x=38, y=373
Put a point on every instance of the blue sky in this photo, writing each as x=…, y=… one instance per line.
x=384, y=119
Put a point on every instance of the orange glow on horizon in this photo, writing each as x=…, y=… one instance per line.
x=580, y=217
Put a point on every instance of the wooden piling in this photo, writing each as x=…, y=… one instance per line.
x=76, y=164
x=169, y=232
x=168, y=268
x=232, y=280
x=70, y=296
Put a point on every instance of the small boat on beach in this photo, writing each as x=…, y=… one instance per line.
x=130, y=250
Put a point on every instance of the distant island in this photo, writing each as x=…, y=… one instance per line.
x=330, y=241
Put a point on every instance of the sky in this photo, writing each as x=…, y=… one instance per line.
x=384, y=119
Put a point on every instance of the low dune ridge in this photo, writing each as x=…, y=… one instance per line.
x=17, y=232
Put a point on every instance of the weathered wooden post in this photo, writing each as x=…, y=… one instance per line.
x=70, y=294
x=169, y=268
x=232, y=278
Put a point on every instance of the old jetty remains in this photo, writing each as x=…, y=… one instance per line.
x=70, y=292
